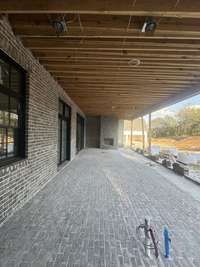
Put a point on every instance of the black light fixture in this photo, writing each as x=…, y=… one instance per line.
x=60, y=25
x=149, y=25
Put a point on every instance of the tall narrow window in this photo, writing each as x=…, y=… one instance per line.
x=12, y=107
x=80, y=122
x=63, y=132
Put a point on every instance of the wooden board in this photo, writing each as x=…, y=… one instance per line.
x=95, y=60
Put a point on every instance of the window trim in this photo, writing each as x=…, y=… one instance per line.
x=22, y=118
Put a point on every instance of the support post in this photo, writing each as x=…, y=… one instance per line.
x=143, y=141
x=131, y=133
x=149, y=135
x=147, y=238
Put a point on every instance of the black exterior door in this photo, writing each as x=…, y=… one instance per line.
x=80, y=133
x=64, y=131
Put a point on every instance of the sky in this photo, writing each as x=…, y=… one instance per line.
x=171, y=110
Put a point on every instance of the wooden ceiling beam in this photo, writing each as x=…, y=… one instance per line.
x=178, y=74
x=123, y=90
x=78, y=75
x=122, y=107
x=184, y=9
x=126, y=95
x=126, y=82
x=47, y=32
x=169, y=67
x=68, y=78
x=134, y=86
x=121, y=61
x=108, y=76
x=63, y=59
x=110, y=104
x=114, y=98
x=152, y=82
x=113, y=81
x=96, y=72
x=136, y=82
x=101, y=23
x=146, y=45
x=126, y=89
x=114, y=93
x=160, y=77
x=132, y=82
x=175, y=68
x=50, y=49
x=118, y=66
x=42, y=54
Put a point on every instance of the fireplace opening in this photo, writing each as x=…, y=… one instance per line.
x=109, y=141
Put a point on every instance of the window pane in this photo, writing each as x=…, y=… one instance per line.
x=16, y=80
x=2, y=143
x=4, y=115
x=59, y=138
x=61, y=108
x=64, y=140
x=12, y=142
x=14, y=103
x=66, y=112
x=4, y=74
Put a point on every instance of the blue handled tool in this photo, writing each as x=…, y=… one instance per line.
x=167, y=241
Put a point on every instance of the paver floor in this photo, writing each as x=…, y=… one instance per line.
x=87, y=216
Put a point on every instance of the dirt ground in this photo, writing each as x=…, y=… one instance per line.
x=191, y=143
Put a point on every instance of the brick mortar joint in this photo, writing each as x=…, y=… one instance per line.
x=13, y=166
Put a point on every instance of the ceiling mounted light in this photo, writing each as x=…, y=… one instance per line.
x=149, y=25
x=59, y=24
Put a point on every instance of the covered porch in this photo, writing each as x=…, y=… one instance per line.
x=70, y=73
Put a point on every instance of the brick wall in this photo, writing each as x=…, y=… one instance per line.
x=109, y=130
x=21, y=180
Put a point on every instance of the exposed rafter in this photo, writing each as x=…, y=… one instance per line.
x=187, y=9
x=104, y=60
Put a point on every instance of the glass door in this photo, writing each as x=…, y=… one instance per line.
x=80, y=133
x=64, y=139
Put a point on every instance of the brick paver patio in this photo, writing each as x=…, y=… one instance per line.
x=87, y=216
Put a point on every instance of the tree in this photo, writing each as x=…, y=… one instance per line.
x=164, y=127
x=185, y=122
x=189, y=120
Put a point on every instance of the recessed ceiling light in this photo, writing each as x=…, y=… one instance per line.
x=134, y=62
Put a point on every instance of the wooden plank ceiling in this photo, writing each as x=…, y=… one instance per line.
x=104, y=61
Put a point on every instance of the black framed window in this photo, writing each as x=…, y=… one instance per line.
x=80, y=123
x=12, y=110
x=64, y=131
